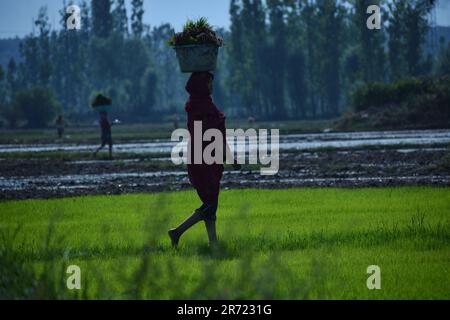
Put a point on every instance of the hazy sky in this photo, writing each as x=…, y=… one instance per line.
x=16, y=16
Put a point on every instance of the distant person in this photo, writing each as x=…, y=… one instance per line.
x=60, y=126
x=176, y=120
x=106, y=137
x=205, y=178
x=100, y=104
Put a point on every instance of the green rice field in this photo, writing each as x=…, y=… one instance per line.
x=308, y=243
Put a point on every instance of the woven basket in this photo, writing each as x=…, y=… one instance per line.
x=197, y=58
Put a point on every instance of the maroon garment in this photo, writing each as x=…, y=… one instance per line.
x=104, y=124
x=200, y=107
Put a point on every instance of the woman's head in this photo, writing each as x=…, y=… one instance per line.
x=200, y=84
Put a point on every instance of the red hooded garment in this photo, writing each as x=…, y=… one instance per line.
x=200, y=107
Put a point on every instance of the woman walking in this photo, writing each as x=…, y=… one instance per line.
x=106, y=138
x=205, y=178
x=99, y=103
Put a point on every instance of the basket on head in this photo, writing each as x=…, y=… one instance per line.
x=101, y=103
x=197, y=57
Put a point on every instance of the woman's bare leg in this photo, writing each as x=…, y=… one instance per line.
x=176, y=233
x=209, y=212
x=211, y=230
x=98, y=149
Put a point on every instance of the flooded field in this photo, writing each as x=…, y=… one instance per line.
x=290, y=141
x=327, y=159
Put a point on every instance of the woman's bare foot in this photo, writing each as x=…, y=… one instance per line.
x=174, y=237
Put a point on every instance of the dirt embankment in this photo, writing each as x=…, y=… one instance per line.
x=45, y=178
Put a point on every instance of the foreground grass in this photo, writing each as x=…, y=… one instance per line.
x=296, y=243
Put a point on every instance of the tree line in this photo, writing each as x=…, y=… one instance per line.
x=304, y=58
x=283, y=59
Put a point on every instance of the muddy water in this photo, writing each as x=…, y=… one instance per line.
x=356, y=139
x=306, y=164
x=292, y=141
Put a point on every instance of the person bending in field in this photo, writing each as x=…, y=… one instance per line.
x=106, y=138
x=205, y=178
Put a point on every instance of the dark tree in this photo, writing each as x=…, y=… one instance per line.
x=137, y=12
x=120, y=17
x=408, y=26
x=148, y=90
x=443, y=66
x=12, y=77
x=371, y=55
x=37, y=105
x=296, y=82
x=102, y=22
x=276, y=50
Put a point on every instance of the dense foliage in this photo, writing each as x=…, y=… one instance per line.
x=283, y=59
x=37, y=105
x=407, y=103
